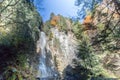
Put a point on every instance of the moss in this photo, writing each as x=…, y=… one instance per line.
x=56, y=43
x=50, y=36
x=11, y=73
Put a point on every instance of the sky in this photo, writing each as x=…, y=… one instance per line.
x=66, y=8
x=1, y=0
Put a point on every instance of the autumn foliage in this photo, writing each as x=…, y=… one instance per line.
x=54, y=20
x=87, y=22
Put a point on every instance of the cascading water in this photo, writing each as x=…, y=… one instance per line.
x=43, y=67
x=49, y=54
x=47, y=71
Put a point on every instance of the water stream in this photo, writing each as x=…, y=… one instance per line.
x=47, y=72
x=42, y=66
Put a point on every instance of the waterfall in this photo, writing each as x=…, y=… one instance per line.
x=42, y=66
x=65, y=52
x=46, y=67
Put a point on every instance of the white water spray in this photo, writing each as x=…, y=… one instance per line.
x=42, y=66
x=46, y=67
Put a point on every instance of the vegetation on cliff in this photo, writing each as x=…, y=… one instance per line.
x=98, y=56
x=97, y=38
x=98, y=48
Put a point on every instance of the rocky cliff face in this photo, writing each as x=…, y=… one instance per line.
x=107, y=18
x=61, y=42
x=74, y=52
x=63, y=48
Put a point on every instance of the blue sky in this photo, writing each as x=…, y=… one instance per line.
x=63, y=7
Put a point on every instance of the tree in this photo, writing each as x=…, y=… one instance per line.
x=106, y=19
x=85, y=5
x=19, y=32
